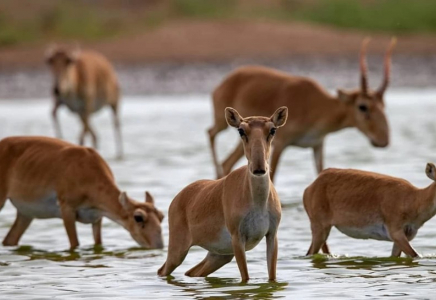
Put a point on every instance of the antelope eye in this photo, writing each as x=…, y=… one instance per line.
x=138, y=219
x=363, y=108
x=273, y=131
x=241, y=131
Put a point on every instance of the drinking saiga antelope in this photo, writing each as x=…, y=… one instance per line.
x=314, y=113
x=84, y=81
x=231, y=215
x=49, y=178
x=366, y=205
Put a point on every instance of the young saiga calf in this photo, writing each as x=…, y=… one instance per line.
x=84, y=81
x=231, y=215
x=366, y=205
x=49, y=178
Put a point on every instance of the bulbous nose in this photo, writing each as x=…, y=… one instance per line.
x=259, y=172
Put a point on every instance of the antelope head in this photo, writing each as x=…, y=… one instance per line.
x=257, y=134
x=59, y=59
x=143, y=221
x=368, y=105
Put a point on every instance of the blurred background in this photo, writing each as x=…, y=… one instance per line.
x=187, y=46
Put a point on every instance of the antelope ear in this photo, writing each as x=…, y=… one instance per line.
x=49, y=52
x=280, y=116
x=430, y=171
x=140, y=216
x=149, y=198
x=345, y=96
x=233, y=118
x=160, y=215
x=124, y=201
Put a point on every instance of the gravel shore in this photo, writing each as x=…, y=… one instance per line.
x=201, y=77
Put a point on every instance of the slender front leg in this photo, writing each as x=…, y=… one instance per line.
x=20, y=225
x=87, y=128
x=69, y=216
x=212, y=134
x=402, y=242
x=275, y=156
x=54, y=114
x=232, y=159
x=271, y=254
x=396, y=251
x=239, y=251
x=318, y=155
x=96, y=232
x=117, y=128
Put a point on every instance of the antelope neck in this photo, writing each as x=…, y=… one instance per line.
x=427, y=202
x=259, y=188
x=111, y=207
x=339, y=115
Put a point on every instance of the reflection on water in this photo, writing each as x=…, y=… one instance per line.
x=166, y=151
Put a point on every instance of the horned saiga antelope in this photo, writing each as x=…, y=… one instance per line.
x=313, y=112
x=49, y=178
x=231, y=215
x=84, y=81
x=367, y=205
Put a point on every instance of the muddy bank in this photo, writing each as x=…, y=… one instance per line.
x=408, y=71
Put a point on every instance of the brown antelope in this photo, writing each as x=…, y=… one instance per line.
x=366, y=205
x=84, y=81
x=231, y=215
x=314, y=113
x=49, y=178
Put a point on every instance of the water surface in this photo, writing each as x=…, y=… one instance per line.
x=166, y=148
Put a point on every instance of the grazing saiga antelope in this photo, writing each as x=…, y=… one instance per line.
x=84, y=81
x=366, y=205
x=49, y=178
x=231, y=215
x=314, y=113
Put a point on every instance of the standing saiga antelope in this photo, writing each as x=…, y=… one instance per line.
x=313, y=112
x=49, y=178
x=366, y=205
x=231, y=215
x=84, y=81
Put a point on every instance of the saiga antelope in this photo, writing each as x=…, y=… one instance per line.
x=84, y=81
x=314, y=113
x=231, y=215
x=366, y=205
x=49, y=178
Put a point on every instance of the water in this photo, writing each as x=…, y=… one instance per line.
x=166, y=148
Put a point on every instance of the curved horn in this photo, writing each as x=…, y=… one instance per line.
x=363, y=68
x=387, y=63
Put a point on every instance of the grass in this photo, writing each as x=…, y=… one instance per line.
x=400, y=16
x=23, y=21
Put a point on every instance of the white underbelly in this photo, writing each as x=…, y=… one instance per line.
x=77, y=105
x=48, y=207
x=376, y=232
x=44, y=208
x=253, y=229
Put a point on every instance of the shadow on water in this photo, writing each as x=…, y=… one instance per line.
x=321, y=261
x=83, y=254
x=228, y=288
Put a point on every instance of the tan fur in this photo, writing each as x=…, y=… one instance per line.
x=231, y=215
x=84, y=81
x=313, y=112
x=45, y=178
x=385, y=207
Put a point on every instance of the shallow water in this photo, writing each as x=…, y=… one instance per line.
x=166, y=148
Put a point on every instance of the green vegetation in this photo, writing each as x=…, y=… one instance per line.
x=381, y=15
x=23, y=21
